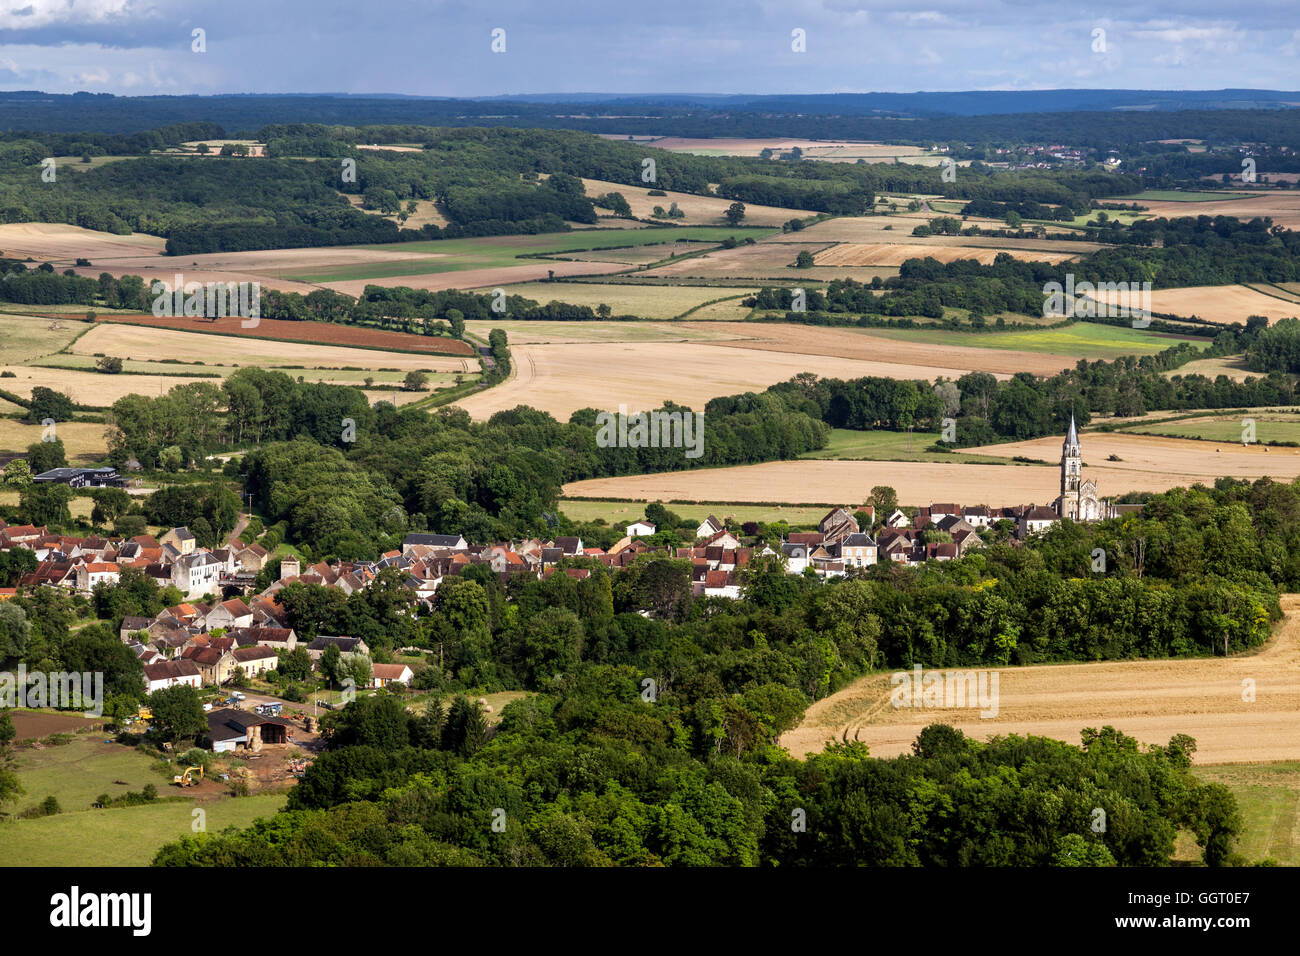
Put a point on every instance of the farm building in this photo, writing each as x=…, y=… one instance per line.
x=640, y=528
x=230, y=729
x=81, y=477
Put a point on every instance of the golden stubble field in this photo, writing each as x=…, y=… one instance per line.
x=561, y=378
x=1282, y=206
x=1151, y=700
x=864, y=345
x=1149, y=463
x=55, y=242
x=151, y=344
x=894, y=254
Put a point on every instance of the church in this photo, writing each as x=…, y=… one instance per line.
x=1078, y=499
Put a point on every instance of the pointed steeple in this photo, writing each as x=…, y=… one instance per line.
x=1072, y=438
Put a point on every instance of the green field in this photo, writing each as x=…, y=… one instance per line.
x=1178, y=195
x=455, y=255
x=1088, y=340
x=79, y=772
x=1269, y=427
x=621, y=513
x=122, y=836
x=1269, y=797
x=892, y=446
x=23, y=338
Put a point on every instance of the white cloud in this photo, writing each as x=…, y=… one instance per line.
x=43, y=13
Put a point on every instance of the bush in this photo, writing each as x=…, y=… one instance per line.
x=50, y=806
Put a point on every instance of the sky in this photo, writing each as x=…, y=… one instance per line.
x=436, y=48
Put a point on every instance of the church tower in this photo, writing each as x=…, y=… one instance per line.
x=1071, y=473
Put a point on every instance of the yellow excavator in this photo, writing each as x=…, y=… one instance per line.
x=187, y=779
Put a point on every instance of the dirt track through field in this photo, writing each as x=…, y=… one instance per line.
x=1149, y=700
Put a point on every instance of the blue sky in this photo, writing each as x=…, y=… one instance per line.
x=430, y=47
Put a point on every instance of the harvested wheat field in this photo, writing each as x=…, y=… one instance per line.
x=265, y=266
x=870, y=230
x=279, y=331
x=764, y=260
x=862, y=344
x=149, y=344
x=563, y=378
x=890, y=254
x=795, y=482
x=1213, y=303
x=1282, y=206
x=53, y=242
x=479, y=278
x=543, y=332
x=1150, y=700
x=90, y=388
x=1150, y=463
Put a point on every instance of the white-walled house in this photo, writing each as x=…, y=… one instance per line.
x=170, y=673
x=642, y=529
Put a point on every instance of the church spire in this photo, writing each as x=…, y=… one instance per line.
x=1072, y=438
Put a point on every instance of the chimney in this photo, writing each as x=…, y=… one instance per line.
x=290, y=567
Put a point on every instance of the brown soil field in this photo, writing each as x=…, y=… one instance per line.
x=31, y=724
x=862, y=344
x=320, y=333
x=152, y=345
x=1151, y=700
x=889, y=254
x=1214, y=303
x=1283, y=206
x=1149, y=463
x=563, y=378
x=54, y=241
x=480, y=278
x=700, y=210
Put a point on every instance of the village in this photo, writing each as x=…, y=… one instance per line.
x=225, y=630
